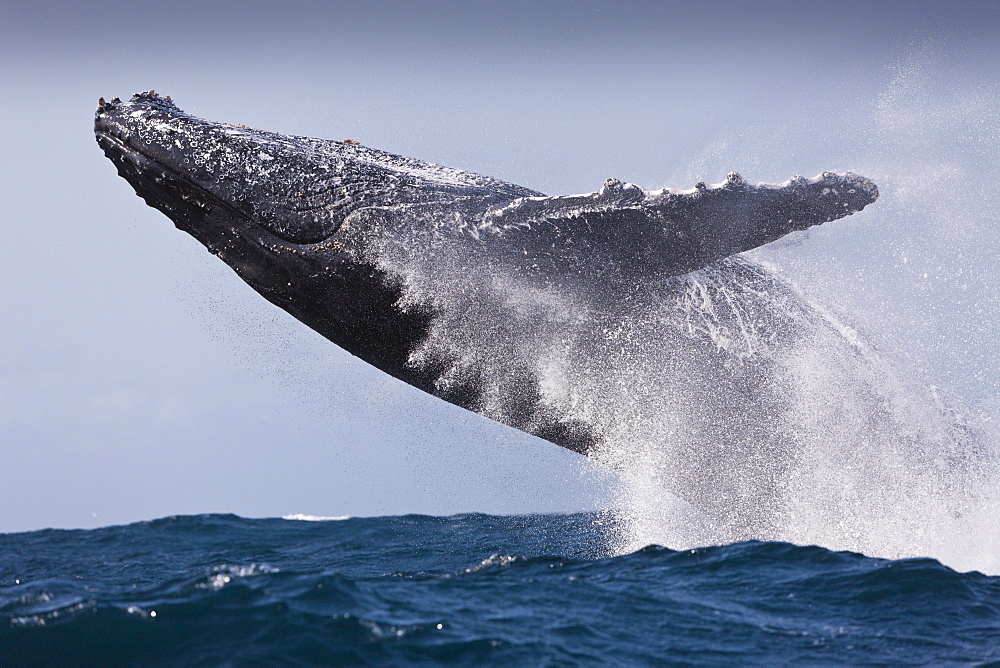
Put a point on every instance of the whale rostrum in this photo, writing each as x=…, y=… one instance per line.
x=389, y=257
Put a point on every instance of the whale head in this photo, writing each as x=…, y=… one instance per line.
x=270, y=206
x=198, y=171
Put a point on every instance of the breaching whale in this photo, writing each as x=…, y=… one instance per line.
x=529, y=309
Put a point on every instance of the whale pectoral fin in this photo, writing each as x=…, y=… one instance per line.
x=670, y=232
x=733, y=217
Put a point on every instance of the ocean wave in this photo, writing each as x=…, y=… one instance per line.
x=469, y=589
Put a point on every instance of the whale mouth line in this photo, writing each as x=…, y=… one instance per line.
x=116, y=146
x=170, y=191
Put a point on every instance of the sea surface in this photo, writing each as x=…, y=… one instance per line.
x=469, y=589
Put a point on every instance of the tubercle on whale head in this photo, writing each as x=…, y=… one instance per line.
x=150, y=96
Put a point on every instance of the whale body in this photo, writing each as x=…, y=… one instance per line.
x=539, y=312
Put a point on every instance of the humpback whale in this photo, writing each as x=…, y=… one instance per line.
x=538, y=311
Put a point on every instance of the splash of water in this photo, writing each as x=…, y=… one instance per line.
x=731, y=403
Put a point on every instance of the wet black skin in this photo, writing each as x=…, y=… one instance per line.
x=290, y=215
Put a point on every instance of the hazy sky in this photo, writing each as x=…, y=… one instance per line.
x=139, y=377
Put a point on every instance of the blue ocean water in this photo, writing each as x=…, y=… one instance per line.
x=469, y=589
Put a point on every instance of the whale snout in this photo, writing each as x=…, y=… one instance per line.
x=137, y=136
x=185, y=165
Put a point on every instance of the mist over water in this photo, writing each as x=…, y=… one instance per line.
x=810, y=398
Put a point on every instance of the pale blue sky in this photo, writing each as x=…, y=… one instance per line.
x=140, y=378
